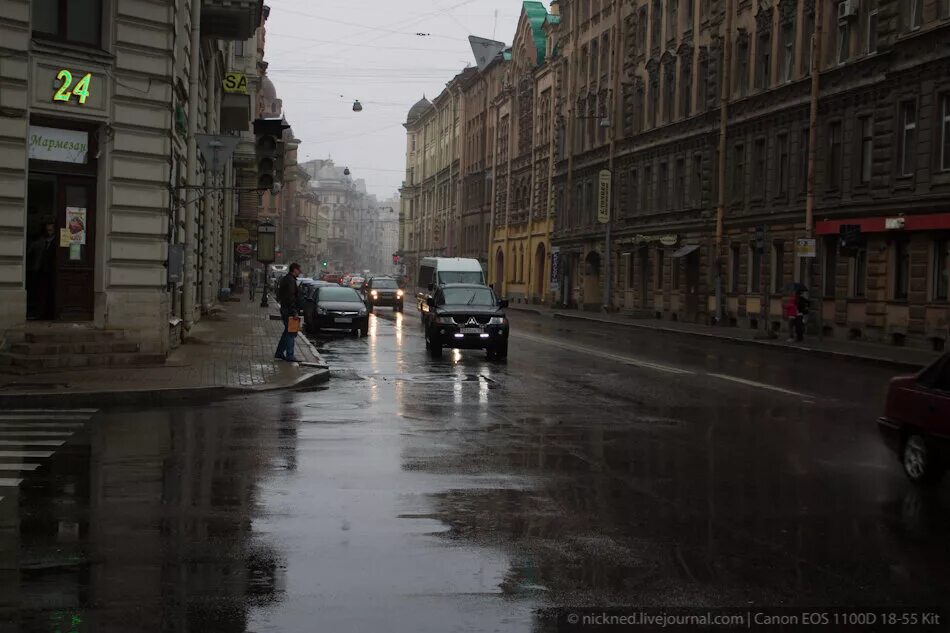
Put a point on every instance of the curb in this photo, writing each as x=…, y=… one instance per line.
x=160, y=397
x=809, y=351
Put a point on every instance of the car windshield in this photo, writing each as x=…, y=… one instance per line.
x=468, y=296
x=460, y=277
x=384, y=283
x=331, y=293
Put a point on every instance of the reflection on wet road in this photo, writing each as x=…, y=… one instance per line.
x=594, y=467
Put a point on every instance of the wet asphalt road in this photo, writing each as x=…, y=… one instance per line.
x=597, y=466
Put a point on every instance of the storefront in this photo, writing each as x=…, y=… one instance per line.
x=60, y=228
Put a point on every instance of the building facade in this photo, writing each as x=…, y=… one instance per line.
x=100, y=176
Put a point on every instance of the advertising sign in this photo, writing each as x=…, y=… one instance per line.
x=805, y=248
x=76, y=224
x=60, y=146
x=245, y=249
x=603, y=197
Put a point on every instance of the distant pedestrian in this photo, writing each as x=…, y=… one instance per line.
x=287, y=296
x=252, y=283
x=790, y=309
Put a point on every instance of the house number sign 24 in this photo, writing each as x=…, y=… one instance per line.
x=66, y=89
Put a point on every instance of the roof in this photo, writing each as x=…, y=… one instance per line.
x=420, y=108
x=537, y=15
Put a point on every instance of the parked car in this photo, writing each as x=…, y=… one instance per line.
x=384, y=291
x=916, y=421
x=466, y=316
x=332, y=278
x=334, y=308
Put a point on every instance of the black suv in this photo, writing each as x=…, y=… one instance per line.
x=383, y=291
x=466, y=316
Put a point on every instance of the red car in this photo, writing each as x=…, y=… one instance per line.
x=916, y=421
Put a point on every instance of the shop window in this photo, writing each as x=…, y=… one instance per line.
x=73, y=21
x=940, y=269
x=901, y=267
x=778, y=267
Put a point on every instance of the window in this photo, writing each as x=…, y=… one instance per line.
x=944, y=132
x=738, y=172
x=672, y=26
x=758, y=159
x=915, y=9
x=859, y=273
x=781, y=151
x=702, y=100
x=659, y=261
x=239, y=48
x=834, y=156
x=808, y=50
x=764, y=64
x=908, y=140
x=735, y=251
x=669, y=99
x=867, y=148
x=803, y=161
x=645, y=189
x=679, y=193
x=755, y=269
x=634, y=196
x=686, y=88
x=830, y=252
x=941, y=269
x=654, y=103
x=642, y=31
x=628, y=268
x=844, y=41
x=788, y=51
x=74, y=21
x=688, y=13
x=663, y=187
x=742, y=68
x=656, y=24
x=901, y=269
x=870, y=43
x=675, y=273
x=778, y=267
x=695, y=181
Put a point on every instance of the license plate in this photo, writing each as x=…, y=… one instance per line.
x=342, y=320
x=471, y=330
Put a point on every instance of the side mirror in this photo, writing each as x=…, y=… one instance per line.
x=430, y=287
x=503, y=303
x=430, y=302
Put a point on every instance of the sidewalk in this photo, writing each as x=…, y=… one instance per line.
x=230, y=351
x=903, y=358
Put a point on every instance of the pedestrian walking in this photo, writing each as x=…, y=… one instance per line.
x=803, y=305
x=252, y=283
x=790, y=309
x=287, y=296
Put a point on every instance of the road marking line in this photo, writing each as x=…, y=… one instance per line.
x=7, y=415
x=18, y=466
x=32, y=442
x=37, y=425
x=760, y=385
x=9, y=483
x=40, y=454
x=627, y=360
x=31, y=433
x=67, y=411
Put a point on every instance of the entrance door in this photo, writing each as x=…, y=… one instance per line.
x=692, y=286
x=61, y=287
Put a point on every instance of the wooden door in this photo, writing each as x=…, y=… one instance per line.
x=75, y=264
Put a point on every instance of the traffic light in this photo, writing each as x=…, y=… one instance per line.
x=324, y=263
x=269, y=150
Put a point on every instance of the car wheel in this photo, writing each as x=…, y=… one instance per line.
x=501, y=351
x=920, y=463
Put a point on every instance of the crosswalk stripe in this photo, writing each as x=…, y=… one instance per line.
x=33, y=454
x=32, y=442
x=9, y=483
x=51, y=411
x=38, y=425
x=18, y=467
x=32, y=433
x=28, y=416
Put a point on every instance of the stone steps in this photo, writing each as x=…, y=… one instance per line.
x=68, y=346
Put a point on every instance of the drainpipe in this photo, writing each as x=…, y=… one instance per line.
x=812, y=155
x=492, y=260
x=614, y=133
x=191, y=206
x=504, y=281
x=210, y=214
x=725, y=93
x=572, y=70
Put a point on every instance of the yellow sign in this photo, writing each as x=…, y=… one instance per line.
x=239, y=235
x=235, y=82
x=66, y=90
x=65, y=238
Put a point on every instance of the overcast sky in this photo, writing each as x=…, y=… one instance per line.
x=323, y=55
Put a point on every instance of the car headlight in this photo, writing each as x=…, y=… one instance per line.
x=374, y=293
x=321, y=310
x=498, y=321
x=445, y=320
x=399, y=293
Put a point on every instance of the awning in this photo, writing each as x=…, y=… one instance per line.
x=879, y=224
x=683, y=251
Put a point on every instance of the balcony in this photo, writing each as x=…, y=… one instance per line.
x=230, y=19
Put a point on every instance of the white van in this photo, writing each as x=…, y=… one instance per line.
x=438, y=271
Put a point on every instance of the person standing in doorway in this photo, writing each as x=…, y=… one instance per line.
x=287, y=296
x=41, y=281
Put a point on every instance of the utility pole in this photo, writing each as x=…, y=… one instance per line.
x=194, y=83
x=614, y=134
x=725, y=93
x=812, y=155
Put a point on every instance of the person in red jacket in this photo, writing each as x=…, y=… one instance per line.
x=790, y=309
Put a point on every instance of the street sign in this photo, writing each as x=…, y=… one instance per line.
x=806, y=248
x=235, y=83
x=239, y=234
x=244, y=249
x=603, y=197
x=216, y=149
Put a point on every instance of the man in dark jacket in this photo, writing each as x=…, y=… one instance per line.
x=287, y=296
